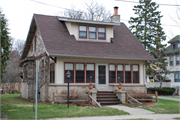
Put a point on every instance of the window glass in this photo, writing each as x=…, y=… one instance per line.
x=171, y=60
x=90, y=66
x=120, y=67
x=128, y=77
x=101, y=29
x=52, y=73
x=101, y=35
x=83, y=35
x=176, y=77
x=82, y=28
x=111, y=67
x=92, y=35
x=90, y=76
x=177, y=60
x=92, y=29
x=136, y=77
x=135, y=67
x=120, y=76
x=79, y=66
x=68, y=66
x=127, y=67
x=112, y=76
x=79, y=76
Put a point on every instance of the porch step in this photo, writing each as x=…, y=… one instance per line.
x=107, y=98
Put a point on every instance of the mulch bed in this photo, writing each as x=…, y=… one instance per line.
x=149, y=103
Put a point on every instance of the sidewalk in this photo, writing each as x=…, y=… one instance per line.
x=168, y=98
x=134, y=113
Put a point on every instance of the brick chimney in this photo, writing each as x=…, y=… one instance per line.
x=115, y=18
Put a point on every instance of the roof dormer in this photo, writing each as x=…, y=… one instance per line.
x=92, y=31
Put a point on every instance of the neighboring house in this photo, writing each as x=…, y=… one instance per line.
x=103, y=53
x=172, y=55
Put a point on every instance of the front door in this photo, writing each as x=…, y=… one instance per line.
x=102, y=79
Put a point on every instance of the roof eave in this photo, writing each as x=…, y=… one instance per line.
x=94, y=57
x=88, y=22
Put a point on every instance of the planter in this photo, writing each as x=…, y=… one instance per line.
x=90, y=88
x=119, y=87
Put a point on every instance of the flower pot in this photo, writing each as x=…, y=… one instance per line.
x=90, y=88
x=119, y=87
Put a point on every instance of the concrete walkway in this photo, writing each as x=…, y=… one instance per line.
x=134, y=113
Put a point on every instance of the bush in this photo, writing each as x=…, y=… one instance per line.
x=162, y=91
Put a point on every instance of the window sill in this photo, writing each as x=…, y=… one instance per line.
x=93, y=40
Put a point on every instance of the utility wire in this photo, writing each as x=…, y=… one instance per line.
x=138, y=2
x=81, y=11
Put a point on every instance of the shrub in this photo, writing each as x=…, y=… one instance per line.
x=162, y=91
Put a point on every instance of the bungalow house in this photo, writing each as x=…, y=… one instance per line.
x=172, y=54
x=103, y=53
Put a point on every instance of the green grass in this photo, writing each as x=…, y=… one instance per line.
x=178, y=118
x=171, y=96
x=163, y=107
x=16, y=108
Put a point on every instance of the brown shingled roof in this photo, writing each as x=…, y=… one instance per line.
x=59, y=42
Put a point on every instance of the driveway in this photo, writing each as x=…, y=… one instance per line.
x=168, y=98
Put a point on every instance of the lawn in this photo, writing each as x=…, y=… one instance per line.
x=163, y=107
x=171, y=96
x=16, y=108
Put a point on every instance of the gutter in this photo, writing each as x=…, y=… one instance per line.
x=94, y=57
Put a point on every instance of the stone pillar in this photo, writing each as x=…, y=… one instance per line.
x=93, y=94
x=121, y=95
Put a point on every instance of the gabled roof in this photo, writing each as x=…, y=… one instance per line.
x=171, y=51
x=175, y=39
x=58, y=42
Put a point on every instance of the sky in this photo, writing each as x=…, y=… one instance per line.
x=19, y=13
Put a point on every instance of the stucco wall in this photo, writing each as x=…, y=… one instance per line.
x=40, y=49
x=73, y=29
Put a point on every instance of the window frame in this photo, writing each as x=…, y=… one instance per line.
x=68, y=70
x=92, y=32
x=101, y=32
x=112, y=71
x=80, y=70
x=51, y=71
x=177, y=60
x=90, y=70
x=83, y=31
x=127, y=71
x=170, y=61
x=135, y=71
x=35, y=43
x=121, y=71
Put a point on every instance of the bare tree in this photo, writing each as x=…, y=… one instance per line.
x=93, y=11
x=18, y=45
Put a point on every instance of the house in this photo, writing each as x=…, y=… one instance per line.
x=172, y=54
x=103, y=53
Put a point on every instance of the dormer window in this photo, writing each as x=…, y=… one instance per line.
x=83, y=32
x=174, y=46
x=101, y=33
x=92, y=32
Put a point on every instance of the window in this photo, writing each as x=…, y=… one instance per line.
x=35, y=43
x=177, y=60
x=127, y=73
x=52, y=73
x=135, y=74
x=176, y=77
x=26, y=71
x=173, y=46
x=112, y=73
x=82, y=32
x=69, y=67
x=90, y=72
x=80, y=73
x=171, y=58
x=101, y=33
x=92, y=32
x=120, y=73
